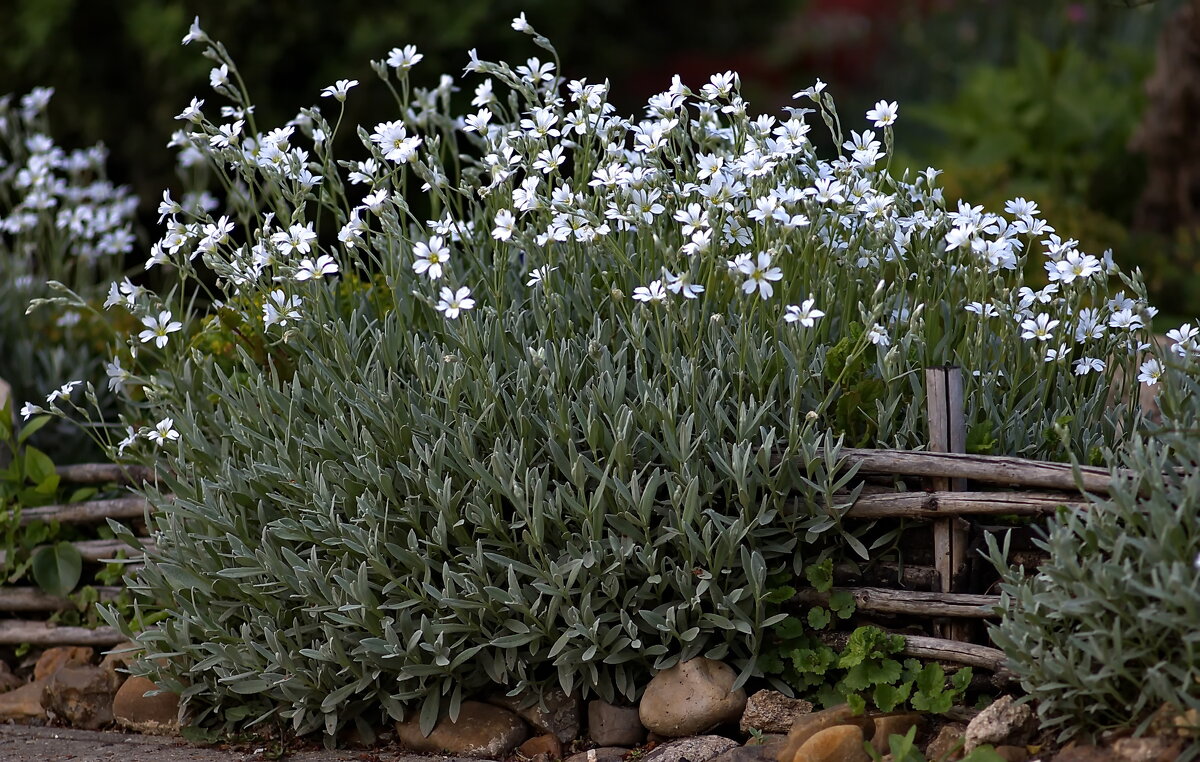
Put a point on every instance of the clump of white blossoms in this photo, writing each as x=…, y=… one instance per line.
x=546, y=200
x=62, y=199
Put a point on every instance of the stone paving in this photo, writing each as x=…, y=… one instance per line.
x=24, y=743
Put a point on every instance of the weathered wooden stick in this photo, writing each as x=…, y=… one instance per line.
x=102, y=473
x=88, y=512
x=993, y=469
x=102, y=550
x=911, y=602
x=16, y=631
x=948, y=434
x=954, y=652
x=933, y=505
x=909, y=575
x=936, y=649
x=32, y=599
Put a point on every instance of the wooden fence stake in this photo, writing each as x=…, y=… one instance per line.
x=948, y=433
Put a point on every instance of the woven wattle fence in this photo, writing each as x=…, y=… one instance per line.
x=27, y=601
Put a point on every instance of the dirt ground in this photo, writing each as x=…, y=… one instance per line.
x=22, y=743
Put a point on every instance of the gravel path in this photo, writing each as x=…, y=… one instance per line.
x=24, y=743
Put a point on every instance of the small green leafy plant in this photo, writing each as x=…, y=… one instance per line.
x=42, y=551
x=864, y=673
x=30, y=480
x=903, y=748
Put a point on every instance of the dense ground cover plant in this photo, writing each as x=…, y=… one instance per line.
x=509, y=376
x=1104, y=633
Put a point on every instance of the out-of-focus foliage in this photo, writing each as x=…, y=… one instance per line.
x=1042, y=105
x=110, y=59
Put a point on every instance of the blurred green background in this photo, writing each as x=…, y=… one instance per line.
x=1010, y=97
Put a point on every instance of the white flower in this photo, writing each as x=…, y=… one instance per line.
x=1086, y=365
x=987, y=310
x=29, y=410
x=878, y=335
x=538, y=275
x=549, y=160
x=117, y=376
x=1073, y=265
x=811, y=92
x=219, y=76
x=1028, y=296
x=477, y=122
x=827, y=190
x=504, y=225
x=339, y=89
x=365, y=172
x=1125, y=319
x=1038, y=327
x=652, y=293
x=454, y=302
x=227, y=135
x=884, y=114
x=404, y=58
x=194, y=32
x=958, y=236
x=759, y=274
x=280, y=308
x=1089, y=325
x=190, y=114
x=535, y=71
x=130, y=438
x=158, y=327
x=1059, y=353
x=483, y=94
x=678, y=284
x=1184, y=338
x=1019, y=207
x=352, y=231
x=692, y=219
x=374, y=201
x=804, y=314
x=163, y=432
x=296, y=238
x=430, y=257
x=309, y=269
x=1151, y=372
x=62, y=392
x=392, y=138
x=520, y=24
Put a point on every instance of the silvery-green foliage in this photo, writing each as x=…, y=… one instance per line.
x=428, y=518
x=541, y=394
x=1108, y=629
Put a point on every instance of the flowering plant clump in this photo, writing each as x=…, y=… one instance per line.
x=1104, y=633
x=528, y=394
x=61, y=220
